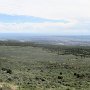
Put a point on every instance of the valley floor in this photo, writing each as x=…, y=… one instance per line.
x=32, y=68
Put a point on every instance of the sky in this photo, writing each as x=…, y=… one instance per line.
x=45, y=17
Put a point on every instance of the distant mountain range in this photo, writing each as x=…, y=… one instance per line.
x=57, y=40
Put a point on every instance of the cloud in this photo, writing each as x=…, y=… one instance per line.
x=54, y=9
x=47, y=28
x=22, y=19
x=30, y=24
x=45, y=16
x=83, y=24
x=32, y=27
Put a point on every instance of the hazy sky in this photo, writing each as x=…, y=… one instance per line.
x=60, y=17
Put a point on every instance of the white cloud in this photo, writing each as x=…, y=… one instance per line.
x=70, y=28
x=47, y=8
x=75, y=11
x=31, y=27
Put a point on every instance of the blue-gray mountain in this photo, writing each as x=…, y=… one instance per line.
x=58, y=40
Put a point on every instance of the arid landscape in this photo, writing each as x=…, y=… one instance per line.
x=31, y=66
